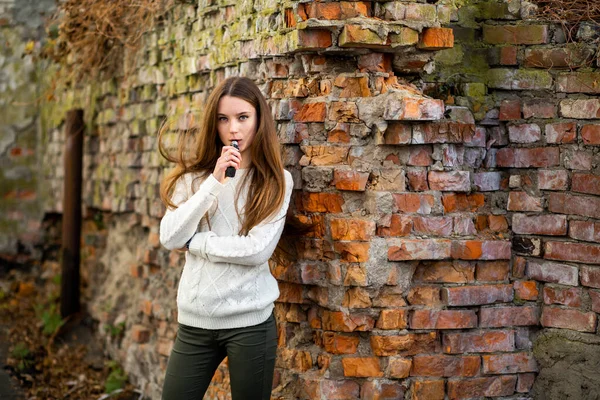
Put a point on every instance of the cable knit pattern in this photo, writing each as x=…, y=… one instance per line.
x=226, y=282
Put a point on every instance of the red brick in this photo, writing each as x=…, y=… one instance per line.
x=350, y=180
x=481, y=387
x=140, y=334
x=590, y=276
x=339, y=389
x=476, y=295
x=313, y=39
x=444, y=272
x=381, y=390
x=398, y=367
x=585, y=183
x=420, y=156
x=443, y=319
x=525, y=382
x=526, y=290
x=321, y=202
x=519, y=264
x=352, y=251
x=392, y=319
x=539, y=109
x=509, y=363
x=564, y=203
x=525, y=133
x=576, y=252
x=585, y=230
x=446, y=366
x=432, y=226
x=357, y=297
x=566, y=57
x=565, y=132
x=458, y=181
x=553, y=179
x=492, y=271
x=352, y=229
x=417, y=180
x=428, y=390
x=343, y=322
x=554, y=317
x=443, y=132
x=578, y=159
x=424, y=295
x=353, y=86
x=481, y=250
x=510, y=110
x=388, y=298
x=479, y=341
x=541, y=157
x=508, y=55
x=361, y=367
x=405, y=345
x=539, y=224
x=570, y=297
x=487, y=181
x=515, y=34
x=552, y=272
x=436, y=39
x=462, y=202
x=335, y=343
x=375, y=62
x=413, y=203
x=521, y=201
x=591, y=134
x=400, y=225
x=595, y=297
x=578, y=82
x=499, y=317
x=357, y=36
x=426, y=249
x=397, y=133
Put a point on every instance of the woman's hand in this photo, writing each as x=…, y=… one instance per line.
x=230, y=157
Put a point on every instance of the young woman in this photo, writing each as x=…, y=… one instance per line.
x=229, y=228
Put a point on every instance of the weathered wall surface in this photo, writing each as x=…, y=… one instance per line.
x=451, y=229
x=21, y=25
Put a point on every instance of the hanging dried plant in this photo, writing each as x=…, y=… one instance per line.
x=569, y=13
x=89, y=37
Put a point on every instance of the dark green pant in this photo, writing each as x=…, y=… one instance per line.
x=198, y=352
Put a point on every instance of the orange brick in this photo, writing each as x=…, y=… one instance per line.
x=361, y=367
x=446, y=366
x=405, y=345
x=357, y=297
x=140, y=334
x=335, y=343
x=436, y=39
x=392, y=319
x=311, y=112
x=353, y=251
x=399, y=367
x=428, y=390
x=352, y=229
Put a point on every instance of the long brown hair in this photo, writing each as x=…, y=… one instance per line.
x=267, y=185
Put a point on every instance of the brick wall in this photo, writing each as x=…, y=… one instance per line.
x=448, y=156
x=20, y=220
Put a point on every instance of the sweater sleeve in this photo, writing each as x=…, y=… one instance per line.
x=178, y=225
x=253, y=249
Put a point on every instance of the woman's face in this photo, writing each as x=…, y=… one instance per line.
x=236, y=120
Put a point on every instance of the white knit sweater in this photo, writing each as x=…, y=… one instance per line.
x=226, y=282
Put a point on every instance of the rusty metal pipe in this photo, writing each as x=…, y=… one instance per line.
x=71, y=223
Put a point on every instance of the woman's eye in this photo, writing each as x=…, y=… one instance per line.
x=244, y=117
x=222, y=119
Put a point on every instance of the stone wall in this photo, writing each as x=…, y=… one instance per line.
x=21, y=29
x=451, y=229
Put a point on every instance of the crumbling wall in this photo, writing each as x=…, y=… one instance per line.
x=451, y=229
x=21, y=25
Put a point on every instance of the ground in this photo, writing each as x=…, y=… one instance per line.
x=46, y=357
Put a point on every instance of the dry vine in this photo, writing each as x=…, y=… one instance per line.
x=89, y=37
x=569, y=13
